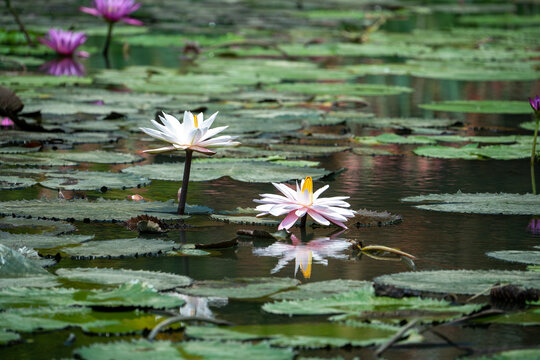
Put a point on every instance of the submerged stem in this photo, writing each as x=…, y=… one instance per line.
x=533, y=154
x=185, y=183
x=19, y=22
x=108, y=40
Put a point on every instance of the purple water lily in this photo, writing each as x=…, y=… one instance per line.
x=113, y=11
x=63, y=67
x=535, y=103
x=65, y=42
x=7, y=123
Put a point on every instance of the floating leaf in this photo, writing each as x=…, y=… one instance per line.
x=467, y=282
x=20, y=137
x=27, y=160
x=523, y=257
x=164, y=350
x=528, y=317
x=362, y=302
x=309, y=150
x=32, y=81
x=357, y=89
x=108, y=276
x=96, y=156
x=397, y=139
x=43, y=227
x=371, y=152
x=119, y=248
x=15, y=182
x=482, y=203
x=320, y=289
x=127, y=295
x=302, y=335
x=18, y=149
x=58, y=107
x=473, y=152
x=93, y=180
x=522, y=354
x=398, y=123
x=246, y=171
x=239, y=288
x=100, y=210
x=41, y=241
x=7, y=337
x=246, y=220
x=15, y=265
x=484, y=106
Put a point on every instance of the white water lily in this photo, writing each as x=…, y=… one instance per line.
x=193, y=133
x=304, y=201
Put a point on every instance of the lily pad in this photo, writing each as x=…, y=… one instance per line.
x=32, y=81
x=466, y=282
x=43, y=227
x=132, y=294
x=481, y=203
x=362, y=301
x=7, y=337
x=164, y=350
x=20, y=137
x=528, y=317
x=100, y=210
x=517, y=256
x=108, y=276
x=27, y=160
x=15, y=265
x=320, y=289
x=120, y=248
x=239, y=288
x=57, y=107
x=391, y=138
x=522, y=354
x=309, y=150
x=302, y=335
x=96, y=156
x=18, y=149
x=246, y=220
x=40, y=241
x=357, y=89
x=484, y=106
x=15, y=182
x=474, y=152
x=92, y=180
x=399, y=123
x=246, y=171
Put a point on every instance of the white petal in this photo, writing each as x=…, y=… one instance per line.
x=317, y=193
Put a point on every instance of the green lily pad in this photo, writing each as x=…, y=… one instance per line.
x=108, y=276
x=309, y=150
x=481, y=203
x=95, y=125
x=32, y=81
x=96, y=156
x=15, y=265
x=399, y=123
x=466, y=282
x=15, y=182
x=18, y=149
x=119, y=248
x=164, y=350
x=92, y=180
x=168, y=40
x=7, y=337
x=483, y=107
x=58, y=107
x=128, y=295
x=367, y=151
x=100, y=210
x=522, y=354
x=473, y=152
x=29, y=282
x=27, y=160
x=529, y=125
x=356, y=89
x=246, y=171
x=21, y=137
x=320, y=289
x=34, y=226
x=41, y=241
x=362, y=301
x=302, y=335
x=239, y=288
x=391, y=138
x=517, y=256
x=528, y=317
x=245, y=220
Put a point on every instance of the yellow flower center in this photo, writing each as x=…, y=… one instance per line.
x=195, y=121
x=307, y=271
x=308, y=185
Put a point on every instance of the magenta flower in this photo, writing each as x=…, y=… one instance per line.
x=63, y=67
x=535, y=103
x=114, y=10
x=7, y=123
x=65, y=42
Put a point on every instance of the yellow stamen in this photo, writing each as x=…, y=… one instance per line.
x=195, y=120
x=308, y=184
x=306, y=272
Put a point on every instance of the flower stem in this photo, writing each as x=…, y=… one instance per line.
x=185, y=183
x=108, y=40
x=19, y=22
x=303, y=222
x=533, y=154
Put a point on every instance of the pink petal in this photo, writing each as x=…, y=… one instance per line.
x=202, y=150
x=132, y=21
x=83, y=54
x=90, y=11
x=159, y=150
x=289, y=221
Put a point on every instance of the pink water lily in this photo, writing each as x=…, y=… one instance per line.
x=193, y=133
x=65, y=42
x=304, y=254
x=302, y=202
x=535, y=103
x=114, y=10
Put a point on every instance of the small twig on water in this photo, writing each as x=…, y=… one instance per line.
x=19, y=22
x=181, y=318
x=395, y=338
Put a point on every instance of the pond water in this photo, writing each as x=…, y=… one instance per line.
x=439, y=47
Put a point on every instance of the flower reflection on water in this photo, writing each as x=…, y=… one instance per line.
x=64, y=67
x=199, y=306
x=304, y=254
